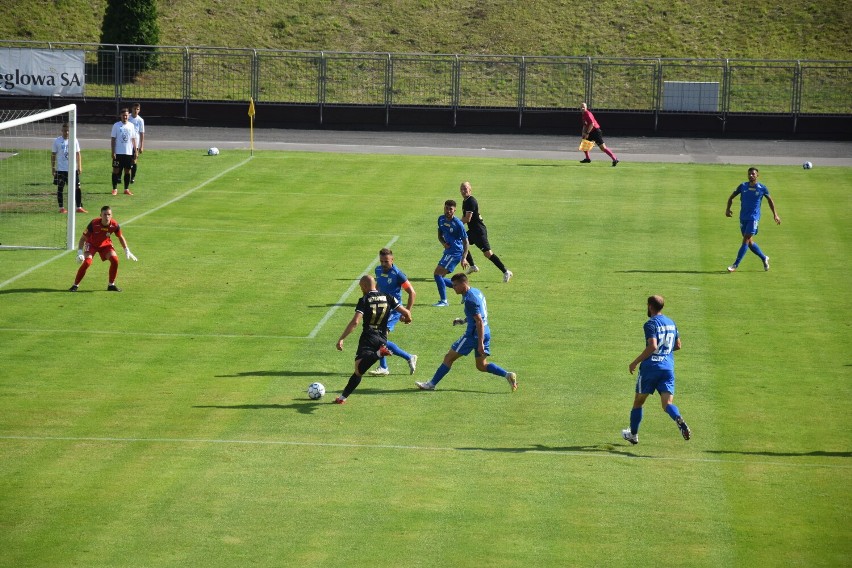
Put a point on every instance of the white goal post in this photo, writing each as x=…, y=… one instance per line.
x=27, y=218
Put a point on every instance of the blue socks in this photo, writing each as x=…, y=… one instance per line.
x=741, y=254
x=395, y=349
x=635, y=419
x=442, y=287
x=440, y=374
x=756, y=250
x=673, y=411
x=496, y=370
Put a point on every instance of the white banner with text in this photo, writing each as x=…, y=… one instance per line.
x=42, y=72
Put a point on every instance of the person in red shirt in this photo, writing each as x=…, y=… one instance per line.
x=592, y=131
x=96, y=239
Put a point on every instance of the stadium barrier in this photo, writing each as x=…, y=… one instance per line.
x=208, y=85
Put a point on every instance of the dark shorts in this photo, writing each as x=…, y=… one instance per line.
x=62, y=179
x=368, y=344
x=123, y=161
x=596, y=136
x=479, y=239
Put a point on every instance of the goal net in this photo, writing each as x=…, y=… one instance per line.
x=31, y=216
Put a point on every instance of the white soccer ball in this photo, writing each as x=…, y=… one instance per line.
x=213, y=151
x=807, y=165
x=315, y=391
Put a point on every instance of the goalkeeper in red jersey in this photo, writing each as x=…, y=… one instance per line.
x=96, y=239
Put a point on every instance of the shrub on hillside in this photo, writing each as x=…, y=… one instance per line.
x=129, y=22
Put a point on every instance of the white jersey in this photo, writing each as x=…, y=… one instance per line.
x=139, y=123
x=60, y=148
x=124, y=134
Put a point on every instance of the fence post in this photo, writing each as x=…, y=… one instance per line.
x=388, y=88
x=658, y=90
x=726, y=94
x=796, y=106
x=254, y=80
x=522, y=85
x=456, y=87
x=116, y=77
x=321, y=78
x=587, y=79
x=187, y=81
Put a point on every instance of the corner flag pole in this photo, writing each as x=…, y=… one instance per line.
x=251, y=124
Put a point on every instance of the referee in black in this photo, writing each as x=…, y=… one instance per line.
x=477, y=233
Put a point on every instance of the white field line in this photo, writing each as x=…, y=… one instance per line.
x=616, y=454
x=169, y=202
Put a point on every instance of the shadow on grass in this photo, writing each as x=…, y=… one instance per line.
x=281, y=374
x=595, y=449
x=305, y=407
x=673, y=271
x=815, y=453
x=40, y=291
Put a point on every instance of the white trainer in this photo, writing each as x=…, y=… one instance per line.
x=766, y=264
x=632, y=438
x=512, y=379
x=412, y=364
x=473, y=268
x=441, y=304
x=379, y=372
x=732, y=268
x=425, y=386
x=507, y=275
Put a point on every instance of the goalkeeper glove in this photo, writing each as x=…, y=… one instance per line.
x=459, y=321
x=80, y=257
x=130, y=255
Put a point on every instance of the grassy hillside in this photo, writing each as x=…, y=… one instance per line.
x=764, y=29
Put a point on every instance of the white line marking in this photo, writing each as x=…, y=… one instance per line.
x=169, y=202
x=590, y=454
x=346, y=294
x=152, y=334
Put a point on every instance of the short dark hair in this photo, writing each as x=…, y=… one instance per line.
x=656, y=302
x=753, y=169
x=450, y=202
x=105, y=208
x=385, y=252
x=460, y=277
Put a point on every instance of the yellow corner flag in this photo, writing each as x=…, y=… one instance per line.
x=251, y=123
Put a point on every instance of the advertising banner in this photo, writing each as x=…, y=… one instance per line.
x=42, y=72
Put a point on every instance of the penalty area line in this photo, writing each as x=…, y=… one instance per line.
x=169, y=202
x=290, y=443
x=328, y=315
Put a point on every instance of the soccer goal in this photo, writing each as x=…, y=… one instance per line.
x=30, y=213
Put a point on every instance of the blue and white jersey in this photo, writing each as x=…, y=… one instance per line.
x=453, y=233
x=665, y=330
x=474, y=303
x=60, y=148
x=750, y=198
x=391, y=282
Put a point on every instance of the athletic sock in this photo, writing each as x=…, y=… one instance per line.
x=587, y=155
x=609, y=153
x=113, y=269
x=741, y=254
x=498, y=263
x=126, y=180
x=115, y=179
x=442, y=287
x=496, y=369
x=635, y=419
x=440, y=374
x=396, y=350
x=756, y=250
x=674, y=412
x=470, y=260
x=353, y=383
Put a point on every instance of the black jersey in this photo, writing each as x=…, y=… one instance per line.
x=376, y=308
x=476, y=224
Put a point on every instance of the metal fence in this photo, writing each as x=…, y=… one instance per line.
x=525, y=84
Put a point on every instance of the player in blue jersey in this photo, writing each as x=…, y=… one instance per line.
x=453, y=238
x=392, y=281
x=374, y=308
x=656, y=369
x=751, y=193
x=476, y=337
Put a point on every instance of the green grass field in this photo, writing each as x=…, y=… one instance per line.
x=168, y=425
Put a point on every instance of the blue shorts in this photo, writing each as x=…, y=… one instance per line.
x=393, y=319
x=655, y=380
x=748, y=227
x=467, y=343
x=450, y=260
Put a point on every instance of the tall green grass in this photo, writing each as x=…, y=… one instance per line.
x=168, y=425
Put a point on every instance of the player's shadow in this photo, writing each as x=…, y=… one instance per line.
x=673, y=271
x=323, y=306
x=815, y=453
x=594, y=449
x=280, y=374
x=303, y=407
x=38, y=290
x=372, y=390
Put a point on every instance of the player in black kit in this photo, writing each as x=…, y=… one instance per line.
x=375, y=308
x=477, y=234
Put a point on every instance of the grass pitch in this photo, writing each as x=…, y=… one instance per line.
x=168, y=425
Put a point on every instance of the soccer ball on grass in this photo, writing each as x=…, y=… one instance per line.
x=807, y=165
x=213, y=151
x=315, y=391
